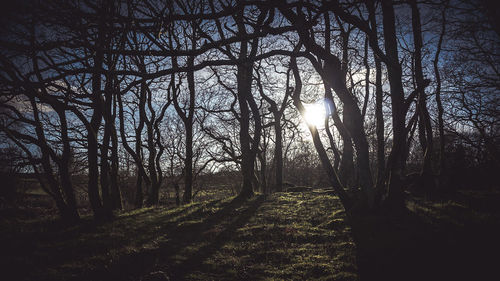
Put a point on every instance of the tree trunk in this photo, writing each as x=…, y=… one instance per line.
x=346, y=168
x=154, y=188
x=188, y=124
x=333, y=146
x=397, y=158
x=116, y=198
x=92, y=147
x=441, y=166
x=244, y=90
x=263, y=168
x=188, y=162
x=278, y=153
x=379, y=117
x=355, y=128
x=95, y=124
x=64, y=171
x=105, y=168
x=247, y=160
x=346, y=162
x=425, y=127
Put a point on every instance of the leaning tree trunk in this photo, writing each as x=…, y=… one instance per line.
x=346, y=168
x=318, y=145
x=332, y=73
x=346, y=162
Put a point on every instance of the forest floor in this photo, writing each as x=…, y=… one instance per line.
x=283, y=236
x=457, y=238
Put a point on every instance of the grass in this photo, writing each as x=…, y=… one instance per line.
x=292, y=236
x=283, y=236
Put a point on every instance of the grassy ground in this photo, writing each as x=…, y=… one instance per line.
x=286, y=236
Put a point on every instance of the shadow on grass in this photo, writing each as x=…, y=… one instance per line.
x=282, y=236
x=187, y=245
x=195, y=260
x=54, y=251
x=435, y=244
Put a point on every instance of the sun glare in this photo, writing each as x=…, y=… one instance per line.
x=317, y=112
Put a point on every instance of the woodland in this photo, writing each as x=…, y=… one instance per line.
x=249, y=139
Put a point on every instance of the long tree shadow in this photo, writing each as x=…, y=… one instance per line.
x=144, y=231
x=196, y=259
x=188, y=244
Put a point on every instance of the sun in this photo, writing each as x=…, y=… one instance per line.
x=315, y=114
